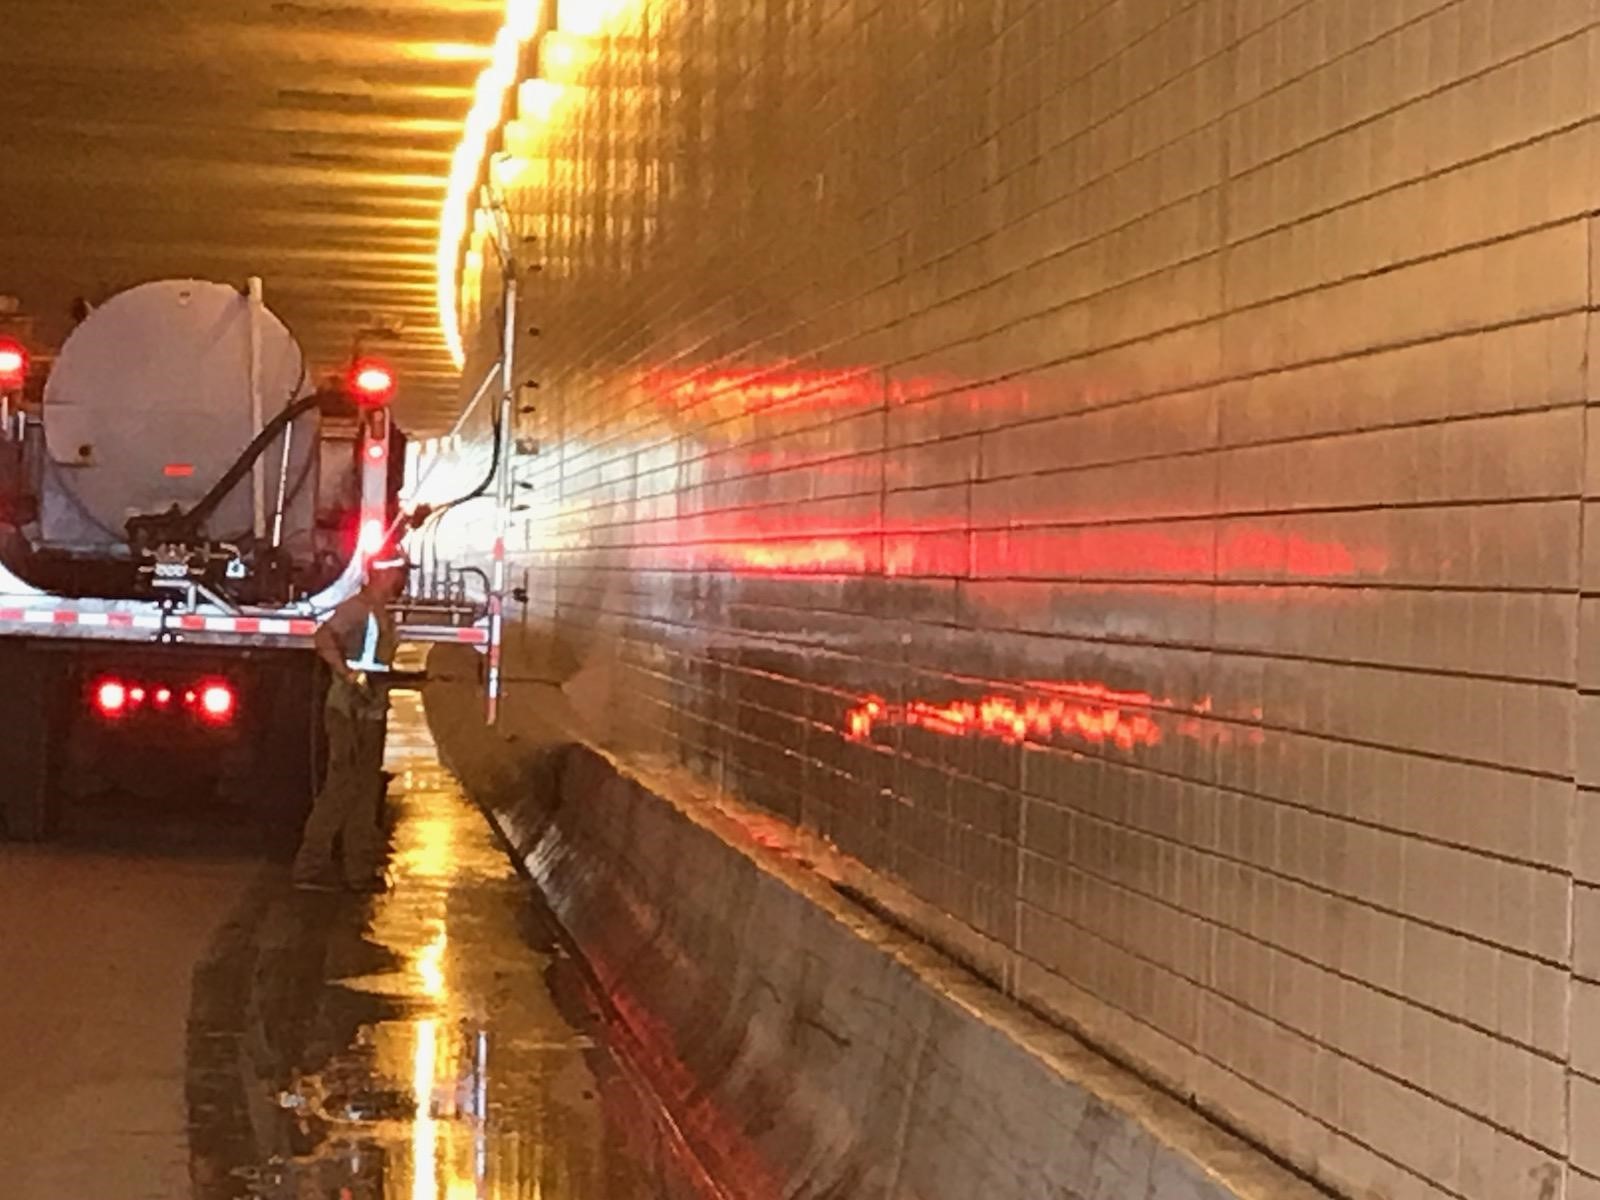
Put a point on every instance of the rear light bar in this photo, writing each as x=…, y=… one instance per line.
x=210, y=700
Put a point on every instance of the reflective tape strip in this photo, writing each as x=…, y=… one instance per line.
x=272, y=626
x=279, y=626
x=28, y=616
x=114, y=620
x=369, y=650
x=467, y=635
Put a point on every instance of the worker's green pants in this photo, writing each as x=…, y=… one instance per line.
x=347, y=806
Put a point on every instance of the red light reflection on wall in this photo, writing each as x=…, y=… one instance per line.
x=761, y=462
x=850, y=539
x=1087, y=713
x=1261, y=550
x=825, y=555
x=1096, y=554
x=749, y=392
x=1092, y=551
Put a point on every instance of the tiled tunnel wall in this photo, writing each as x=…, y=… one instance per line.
x=1117, y=467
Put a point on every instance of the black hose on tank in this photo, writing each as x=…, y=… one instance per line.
x=178, y=527
x=483, y=487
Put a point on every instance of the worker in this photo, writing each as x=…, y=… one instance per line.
x=357, y=641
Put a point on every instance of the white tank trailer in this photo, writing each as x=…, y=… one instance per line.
x=150, y=402
x=148, y=410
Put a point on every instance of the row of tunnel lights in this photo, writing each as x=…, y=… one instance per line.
x=574, y=18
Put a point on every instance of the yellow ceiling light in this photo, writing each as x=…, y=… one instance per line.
x=562, y=56
x=557, y=54
x=488, y=105
x=507, y=170
x=587, y=18
x=520, y=137
x=522, y=17
x=537, y=100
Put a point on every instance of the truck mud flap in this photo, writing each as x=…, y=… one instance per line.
x=29, y=714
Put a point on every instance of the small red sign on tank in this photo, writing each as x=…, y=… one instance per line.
x=178, y=470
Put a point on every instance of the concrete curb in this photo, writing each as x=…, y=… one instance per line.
x=811, y=1050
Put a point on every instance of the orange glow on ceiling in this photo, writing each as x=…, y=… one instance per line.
x=447, y=52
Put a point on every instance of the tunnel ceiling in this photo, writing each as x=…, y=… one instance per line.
x=305, y=141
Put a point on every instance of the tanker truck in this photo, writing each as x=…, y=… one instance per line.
x=180, y=506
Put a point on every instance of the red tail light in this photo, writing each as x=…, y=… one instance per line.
x=216, y=701
x=111, y=698
x=13, y=364
x=372, y=384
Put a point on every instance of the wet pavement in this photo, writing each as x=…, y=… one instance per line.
x=96, y=951
x=194, y=1027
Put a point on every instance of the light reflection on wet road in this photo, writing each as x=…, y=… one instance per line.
x=430, y=1043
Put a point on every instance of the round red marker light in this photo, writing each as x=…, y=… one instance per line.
x=111, y=698
x=371, y=384
x=216, y=701
x=13, y=364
